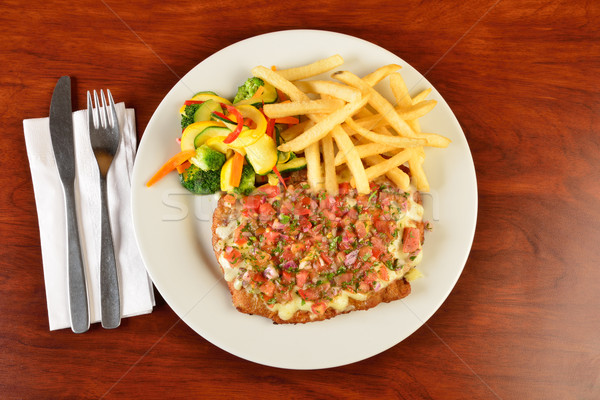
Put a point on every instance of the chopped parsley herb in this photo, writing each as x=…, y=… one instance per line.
x=285, y=219
x=372, y=195
x=305, y=186
x=334, y=243
x=412, y=258
x=272, y=300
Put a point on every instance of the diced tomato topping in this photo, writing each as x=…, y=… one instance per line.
x=326, y=258
x=230, y=199
x=266, y=210
x=297, y=247
x=365, y=253
x=267, y=288
x=286, y=277
x=283, y=296
x=363, y=286
x=411, y=239
x=287, y=255
x=305, y=224
x=233, y=256
x=272, y=236
x=258, y=277
x=344, y=188
x=252, y=202
x=351, y=215
x=319, y=308
x=361, y=230
x=269, y=190
x=383, y=273
x=261, y=257
x=301, y=278
x=362, y=200
x=370, y=277
x=309, y=294
x=287, y=206
x=346, y=277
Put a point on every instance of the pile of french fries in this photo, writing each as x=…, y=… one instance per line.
x=349, y=131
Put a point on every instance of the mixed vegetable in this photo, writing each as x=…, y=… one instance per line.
x=231, y=146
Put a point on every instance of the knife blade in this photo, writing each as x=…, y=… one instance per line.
x=61, y=135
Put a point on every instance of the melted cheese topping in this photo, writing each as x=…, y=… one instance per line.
x=410, y=213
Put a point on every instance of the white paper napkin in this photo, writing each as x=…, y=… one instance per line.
x=137, y=296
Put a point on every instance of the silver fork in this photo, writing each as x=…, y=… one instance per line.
x=105, y=137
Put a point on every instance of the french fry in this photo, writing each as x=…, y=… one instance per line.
x=313, y=69
x=379, y=74
x=415, y=163
x=411, y=112
x=314, y=173
x=281, y=83
x=434, y=140
x=379, y=103
x=295, y=130
x=329, y=88
x=353, y=161
x=400, y=90
x=381, y=168
x=396, y=175
x=331, y=184
x=364, y=151
x=279, y=110
x=323, y=127
x=422, y=95
x=397, y=141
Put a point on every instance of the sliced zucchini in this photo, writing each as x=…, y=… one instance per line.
x=210, y=132
x=189, y=134
x=295, y=164
x=262, y=155
x=204, y=112
x=268, y=96
x=204, y=96
x=206, y=92
x=283, y=156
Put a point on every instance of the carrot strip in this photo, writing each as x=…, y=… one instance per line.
x=183, y=167
x=236, y=169
x=287, y=120
x=281, y=96
x=258, y=92
x=170, y=165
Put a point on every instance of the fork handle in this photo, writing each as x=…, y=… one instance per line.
x=109, y=281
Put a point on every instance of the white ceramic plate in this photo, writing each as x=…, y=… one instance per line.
x=173, y=227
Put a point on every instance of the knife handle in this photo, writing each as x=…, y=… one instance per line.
x=78, y=300
x=109, y=281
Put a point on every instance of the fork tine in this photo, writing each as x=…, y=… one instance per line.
x=90, y=111
x=97, y=113
x=115, y=121
x=104, y=110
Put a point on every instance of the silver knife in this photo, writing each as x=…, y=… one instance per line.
x=61, y=133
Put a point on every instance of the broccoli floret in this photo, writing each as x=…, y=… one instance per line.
x=208, y=159
x=247, y=182
x=248, y=89
x=201, y=182
x=188, y=117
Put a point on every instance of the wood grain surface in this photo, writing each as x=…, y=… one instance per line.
x=522, y=77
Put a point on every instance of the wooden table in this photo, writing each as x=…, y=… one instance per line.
x=522, y=79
